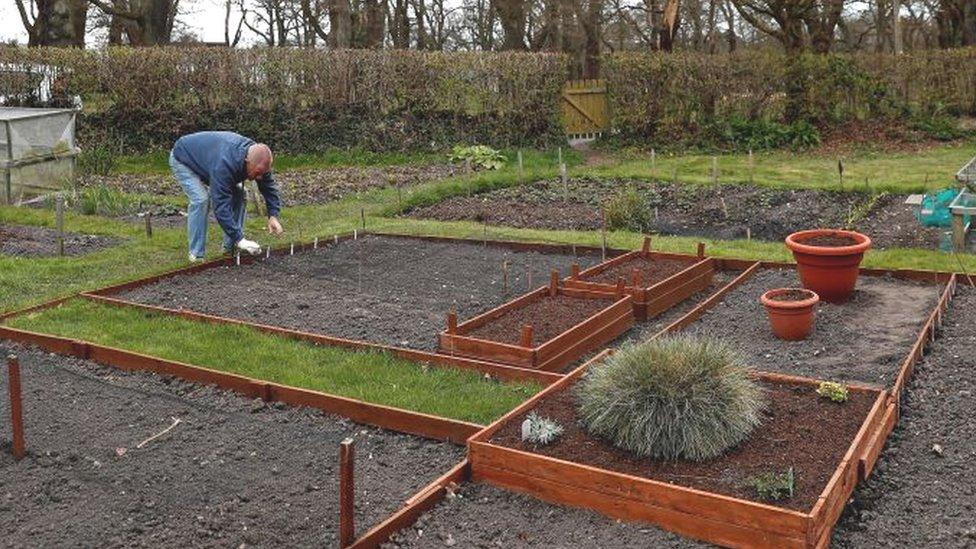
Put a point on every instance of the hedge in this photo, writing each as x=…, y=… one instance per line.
x=299, y=100
x=686, y=97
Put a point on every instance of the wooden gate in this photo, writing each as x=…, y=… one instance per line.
x=584, y=106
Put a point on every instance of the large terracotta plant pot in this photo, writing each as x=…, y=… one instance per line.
x=790, y=312
x=828, y=261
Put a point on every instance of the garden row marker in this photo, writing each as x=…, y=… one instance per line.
x=521, y=173
x=653, y=160
x=362, y=215
x=564, y=181
x=714, y=170
x=355, y=235
x=148, y=224
x=237, y=259
x=560, y=156
x=176, y=421
x=399, y=197
x=16, y=407
x=347, y=525
x=267, y=252
x=292, y=250
x=59, y=221
x=748, y=233
x=505, y=276
x=840, y=172
x=752, y=167
x=603, y=233
x=315, y=244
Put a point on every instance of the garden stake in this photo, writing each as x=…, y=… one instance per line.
x=148, y=224
x=553, y=283
x=485, y=237
x=355, y=235
x=646, y=247
x=562, y=178
x=574, y=249
x=714, y=170
x=362, y=215
x=16, y=406
x=840, y=172
x=653, y=160
x=752, y=167
x=560, y=155
x=237, y=259
x=267, y=252
x=521, y=173
x=701, y=250
x=528, y=271
x=603, y=233
x=526, y=336
x=315, y=243
x=335, y=238
x=674, y=176
x=59, y=220
x=748, y=233
x=347, y=526
x=505, y=276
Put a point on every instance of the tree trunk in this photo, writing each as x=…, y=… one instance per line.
x=59, y=23
x=669, y=25
x=340, y=22
x=511, y=14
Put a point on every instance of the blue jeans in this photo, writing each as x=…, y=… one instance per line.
x=199, y=208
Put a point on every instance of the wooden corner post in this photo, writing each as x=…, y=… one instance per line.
x=16, y=407
x=553, y=283
x=646, y=248
x=701, y=250
x=347, y=525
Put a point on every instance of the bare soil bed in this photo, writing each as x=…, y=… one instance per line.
x=723, y=212
x=394, y=291
x=305, y=186
x=481, y=515
x=863, y=341
x=549, y=317
x=922, y=492
x=799, y=429
x=653, y=270
x=32, y=241
x=233, y=473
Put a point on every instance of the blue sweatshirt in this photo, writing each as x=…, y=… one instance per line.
x=218, y=159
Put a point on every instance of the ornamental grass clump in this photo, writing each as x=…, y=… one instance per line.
x=671, y=398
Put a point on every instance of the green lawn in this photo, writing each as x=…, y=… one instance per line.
x=369, y=376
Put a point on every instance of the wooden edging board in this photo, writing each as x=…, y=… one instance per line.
x=588, y=335
x=420, y=503
x=387, y=417
x=925, y=337
x=499, y=371
x=715, y=518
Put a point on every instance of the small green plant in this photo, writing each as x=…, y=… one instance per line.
x=774, y=486
x=540, y=430
x=628, y=210
x=102, y=200
x=834, y=391
x=671, y=398
x=480, y=156
x=96, y=161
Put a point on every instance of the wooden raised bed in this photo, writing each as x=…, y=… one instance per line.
x=651, y=297
x=707, y=516
x=598, y=329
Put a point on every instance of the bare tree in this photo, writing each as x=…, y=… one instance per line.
x=144, y=22
x=54, y=22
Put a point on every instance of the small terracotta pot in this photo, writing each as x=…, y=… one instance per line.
x=830, y=271
x=791, y=320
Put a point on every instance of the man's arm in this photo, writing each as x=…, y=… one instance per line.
x=272, y=196
x=222, y=192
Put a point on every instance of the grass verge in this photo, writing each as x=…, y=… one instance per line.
x=374, y=377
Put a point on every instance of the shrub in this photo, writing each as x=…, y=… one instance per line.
x=97, y=160
x=540, y=430
x=628, y=210
x=833, y=391
x=774, y=486
x=671, y=398
x=480, y=156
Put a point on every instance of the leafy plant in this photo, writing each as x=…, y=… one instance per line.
x=481, y=156
x=540, y=430
x=96, y=161
x=774, y=486
x=834, y=391
x=102, y=200
x=678, y=397
x=628, y=210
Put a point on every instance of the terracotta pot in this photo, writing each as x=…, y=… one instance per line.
x=790, y=319
x=830, y=271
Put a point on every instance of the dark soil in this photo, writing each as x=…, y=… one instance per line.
x=653, y=270
x=390, y=290
x=549, y=317
x=829, y=241
x=791, y=296
x=306, y=186
x=233, y=473
x=799, y=429
x=863, y=340
x=722, y=212
x=481, y=515
x=32, y=241
x=923, y=490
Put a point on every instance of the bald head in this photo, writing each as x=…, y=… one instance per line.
x=258, y=161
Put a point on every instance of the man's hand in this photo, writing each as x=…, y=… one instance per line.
x=249, y=246
x=274, y=226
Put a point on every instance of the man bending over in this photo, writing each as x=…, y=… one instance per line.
x=221, y=162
